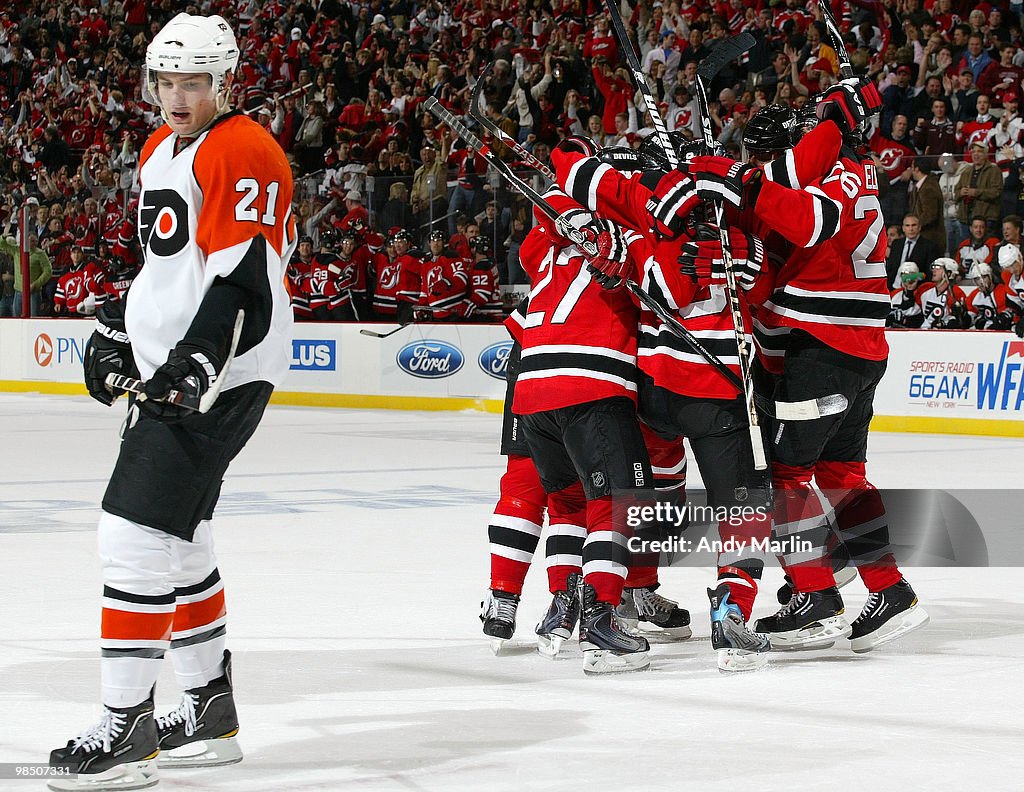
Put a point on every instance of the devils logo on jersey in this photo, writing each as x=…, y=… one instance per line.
x=388, y=276
x=163, y=222
x=891, y=158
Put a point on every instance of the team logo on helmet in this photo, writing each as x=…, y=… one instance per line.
x=163, y=222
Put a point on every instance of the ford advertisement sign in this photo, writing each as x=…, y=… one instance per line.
x=430, y=359
x=493, y=360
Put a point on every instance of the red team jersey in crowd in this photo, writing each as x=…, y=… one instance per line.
x=579, y=340
x=76, y=286
x=385, y=292
x=445, y=284
x=484, y=294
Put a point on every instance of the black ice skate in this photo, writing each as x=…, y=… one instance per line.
x=201, y=731
x=886, y=616
x=119, y=752
x=653, y=610
x=606, y=648
x=560, y=620
x=739, y=648
x=810, y=621
x=843, y=575
x=498, y=613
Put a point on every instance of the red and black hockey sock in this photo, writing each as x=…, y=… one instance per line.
x=605, y=552
x=567, y=530
x=801, y=523
x=742, y=583
x=861, y=521
x=515, y=527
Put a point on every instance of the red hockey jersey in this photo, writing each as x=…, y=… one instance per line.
x=579, y=341
x=833, y=285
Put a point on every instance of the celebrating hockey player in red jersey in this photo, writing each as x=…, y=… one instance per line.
x=208, y=317
x=822, y=332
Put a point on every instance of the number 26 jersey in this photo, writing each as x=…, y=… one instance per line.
x=218, y=208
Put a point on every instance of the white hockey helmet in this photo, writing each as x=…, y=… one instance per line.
x=192, y=45
x=949, y=265
x=980, y=270
x=908, y=273
x=1008, y=254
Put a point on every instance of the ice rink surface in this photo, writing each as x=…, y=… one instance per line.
x=353, y=548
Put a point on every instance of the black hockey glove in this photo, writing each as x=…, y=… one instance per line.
x=849, y=104
x=704, y=264
x=1019, y=328
x=674, y=198
x=724, y=179
x=108, y=351
x=190, y=369
x=986, y=318
x=612, y=264
x=895, y=318
x=1003, y=321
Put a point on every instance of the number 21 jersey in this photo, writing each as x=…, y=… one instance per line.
x=218, y=208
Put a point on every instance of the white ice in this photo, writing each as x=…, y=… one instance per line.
x=353, y=547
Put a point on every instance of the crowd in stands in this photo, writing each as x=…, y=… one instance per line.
x=341, y=86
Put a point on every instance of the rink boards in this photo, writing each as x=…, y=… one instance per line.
x=957, y=382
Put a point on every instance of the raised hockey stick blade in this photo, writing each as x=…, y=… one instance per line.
x=726, y=52
x=432, y=106
x=641, y=80
x=118, y=382
x=501, y=134
x=845, y=67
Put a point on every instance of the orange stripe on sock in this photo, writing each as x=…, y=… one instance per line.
x=127, y=626
x=190, y=615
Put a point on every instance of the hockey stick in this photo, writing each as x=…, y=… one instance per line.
x=845, y=67
x=179, y=398
x=501, y=134
x=372, y=334
x=809, y=410
x=724, y=53
x=586, y=245
x=641, y=81
x=132, y=385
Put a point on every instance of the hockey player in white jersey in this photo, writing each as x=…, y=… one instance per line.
x=209, y=317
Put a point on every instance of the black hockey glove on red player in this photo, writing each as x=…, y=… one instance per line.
x=191, y=368
x=724, y=179
x=578, y=223
x=108, y=351
x=849, y=104
x=612, y=263
x=703, y=262
x=674, y=198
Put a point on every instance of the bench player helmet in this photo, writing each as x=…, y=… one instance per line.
x=480, y=244
x=978, y=273
x=192, y=45
x=767, y=134
x=950, y=269
x=908, y=273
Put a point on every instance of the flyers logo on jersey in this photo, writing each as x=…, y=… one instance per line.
x=163, y=222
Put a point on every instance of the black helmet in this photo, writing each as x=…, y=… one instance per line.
x=620, y=158
x=437, y=234
x=328, y=239
x=401, y=235
x=652, y=153
x=806, y=119
x=769, y=130
x=480, y=244
x=348, y=235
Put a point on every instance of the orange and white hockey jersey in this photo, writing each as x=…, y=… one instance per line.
x=219, y=208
